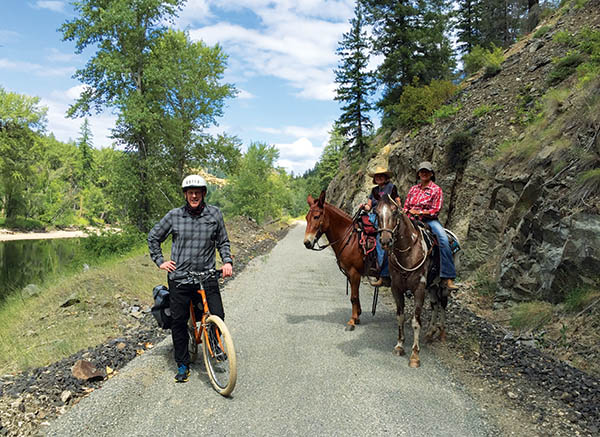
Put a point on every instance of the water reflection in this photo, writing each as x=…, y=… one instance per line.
x=31, y=261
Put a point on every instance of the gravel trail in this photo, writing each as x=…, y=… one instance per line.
x=299, y=372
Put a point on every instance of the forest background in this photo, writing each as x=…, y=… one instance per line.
x=167, y=91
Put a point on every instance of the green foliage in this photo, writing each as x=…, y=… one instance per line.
x=418, y=103
x=531, y=315
x=484, y=283
x=541, y=31
x=413, y=38
x=22, y=224
x=564, y=37
x=446, y=111
x=109, y=244
x=589, y=182
x=528, y=109
x=479, y=57
x=257, y=190
x=460, y=146
x=564, y=67
x=484, y=109
x=355, y=84
x=580, y=297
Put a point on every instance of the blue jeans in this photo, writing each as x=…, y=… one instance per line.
x=382, y=258
x=447, y=269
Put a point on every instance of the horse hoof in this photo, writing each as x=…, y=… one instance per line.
x=349, y=327
x=357, y=322
x=414, y=363
x=399, y=351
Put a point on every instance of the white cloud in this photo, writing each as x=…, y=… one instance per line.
x=244, y=95
x=318, y=133
x=194, y=11
x=37, y=69
x=8, y=35
x=56, y=55
x=65, y=129
x=56, y=6
x=298, y=156
x=296, y=41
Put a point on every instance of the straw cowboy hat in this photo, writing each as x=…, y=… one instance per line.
x=380, y=170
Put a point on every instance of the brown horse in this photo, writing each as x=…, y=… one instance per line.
x=324, y=218
x=409, y=263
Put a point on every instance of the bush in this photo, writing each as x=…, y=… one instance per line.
x=446, y=111
x=418, y=103
x=541, y=31
x=564, y=37
x=485, y=109
x=22, y=224
x=580, y=298
x=565, y=67
x=459, y=149
x=480, y=57
x=531, y=315
x=113, y=243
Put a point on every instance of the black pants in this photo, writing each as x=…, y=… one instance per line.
x=180, y=299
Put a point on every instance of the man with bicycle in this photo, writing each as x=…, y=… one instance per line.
x=197, y=229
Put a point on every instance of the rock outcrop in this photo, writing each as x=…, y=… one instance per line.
x=510, y=163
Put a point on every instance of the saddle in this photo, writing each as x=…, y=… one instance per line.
x=433, y=247
x=367, y=240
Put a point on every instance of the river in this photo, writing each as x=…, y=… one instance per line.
x=25, y=262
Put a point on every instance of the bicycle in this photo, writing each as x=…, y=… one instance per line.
x=212, y=333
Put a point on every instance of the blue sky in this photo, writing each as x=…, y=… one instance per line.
x=281, y=59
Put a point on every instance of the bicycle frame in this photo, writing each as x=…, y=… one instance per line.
x=199, y=329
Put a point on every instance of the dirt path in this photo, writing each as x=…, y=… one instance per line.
x=300, y=373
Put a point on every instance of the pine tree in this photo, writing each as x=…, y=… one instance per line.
x=85, y=145
x=412, y=35
x=355, y=84
x=468, y=25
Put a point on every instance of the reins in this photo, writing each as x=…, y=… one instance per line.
x=393, y=256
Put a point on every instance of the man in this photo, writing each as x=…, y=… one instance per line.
x=424, y=201
x=197, y=229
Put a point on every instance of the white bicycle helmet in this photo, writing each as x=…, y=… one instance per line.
x=193, y=181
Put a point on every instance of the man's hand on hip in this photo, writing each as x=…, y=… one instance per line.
x=227, y=270
x=169, y=266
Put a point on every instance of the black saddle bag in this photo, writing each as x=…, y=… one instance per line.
x=162, y=307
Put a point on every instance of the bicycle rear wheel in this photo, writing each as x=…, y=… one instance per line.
x=219, y=356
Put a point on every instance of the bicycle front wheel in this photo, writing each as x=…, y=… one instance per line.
x=219, y=356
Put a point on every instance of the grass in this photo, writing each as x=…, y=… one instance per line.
x=484, y=283
x=22, y=224
x=37, y=331
x=531, y=315
x=580, y=298
x=541, y=31
x=485, y=109
x=446, y=111
x=565, y=67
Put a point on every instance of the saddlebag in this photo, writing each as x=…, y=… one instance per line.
x=161, y=309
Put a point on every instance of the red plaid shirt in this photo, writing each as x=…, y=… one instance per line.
x=428, y=200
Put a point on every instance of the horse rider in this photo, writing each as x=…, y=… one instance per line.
x=381, y=177
x=197, y=229
x=424, y=202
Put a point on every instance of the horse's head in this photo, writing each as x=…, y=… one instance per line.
x=387, y=217
x=316, y=223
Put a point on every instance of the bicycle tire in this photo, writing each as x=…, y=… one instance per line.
x=192, y=345
x=221, y=372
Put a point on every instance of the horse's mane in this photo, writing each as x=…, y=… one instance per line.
x=338, y=211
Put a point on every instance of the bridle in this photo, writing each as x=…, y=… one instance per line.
x=393, y=256
x=320, y=233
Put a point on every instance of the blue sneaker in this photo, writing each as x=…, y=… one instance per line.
x=183, y=373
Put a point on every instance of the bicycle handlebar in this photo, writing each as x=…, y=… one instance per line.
x=192, y=278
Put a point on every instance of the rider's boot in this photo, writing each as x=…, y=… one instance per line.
x=450, y=285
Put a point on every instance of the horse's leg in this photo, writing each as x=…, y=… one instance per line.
x=354, y=298
x=443, y=304
x=414, y=360
x=435, y=313
x=398, y=293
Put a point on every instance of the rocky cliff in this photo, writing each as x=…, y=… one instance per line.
x=518, y=163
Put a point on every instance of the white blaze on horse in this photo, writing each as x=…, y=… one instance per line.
x=410, y=263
